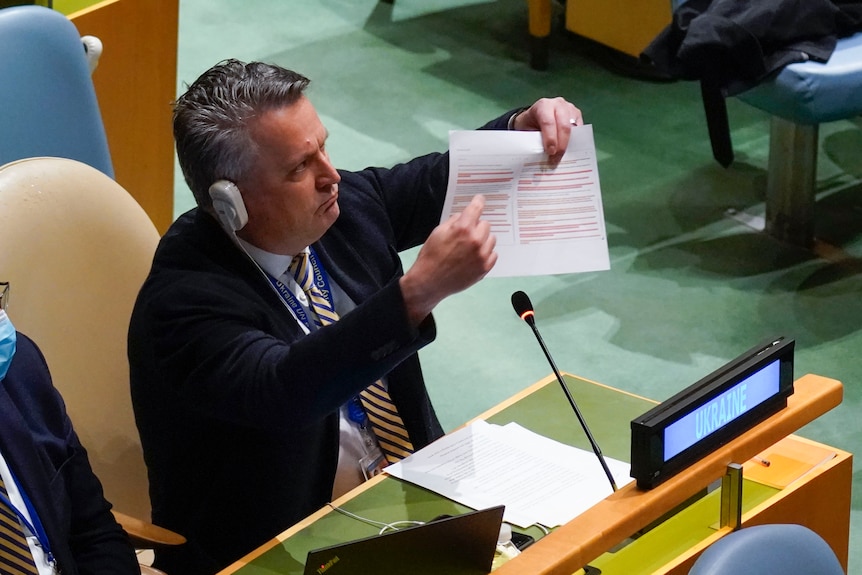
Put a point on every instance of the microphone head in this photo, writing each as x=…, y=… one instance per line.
x=523, y=307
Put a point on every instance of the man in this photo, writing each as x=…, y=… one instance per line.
x=71, y=528
x=245, y=389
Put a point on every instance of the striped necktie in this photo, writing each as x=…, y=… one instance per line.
x=15, y=555
x=387, y=425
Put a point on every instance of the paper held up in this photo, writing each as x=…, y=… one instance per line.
x=547, y=218
x=539, y=480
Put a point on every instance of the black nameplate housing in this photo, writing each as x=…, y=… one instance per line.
x=721, y=406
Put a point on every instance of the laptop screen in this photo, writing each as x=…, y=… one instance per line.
x=459, y=545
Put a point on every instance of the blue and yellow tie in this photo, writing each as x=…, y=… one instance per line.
x=387, y=425
x=15, y=555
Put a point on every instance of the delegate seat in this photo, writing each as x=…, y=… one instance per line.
x=76, y=249
x=48, y=103
x=798, y=97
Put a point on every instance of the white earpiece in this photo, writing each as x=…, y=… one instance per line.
x=228, y=206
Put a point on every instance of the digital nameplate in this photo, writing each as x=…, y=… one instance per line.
x=721, y=406
x=718, y=412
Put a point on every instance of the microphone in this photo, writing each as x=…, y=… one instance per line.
x=524, y=309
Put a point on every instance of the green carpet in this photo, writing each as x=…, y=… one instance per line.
x=689, y=288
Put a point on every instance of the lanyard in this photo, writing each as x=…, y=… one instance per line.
x=36, y=527
x=355, y=410
x=320, y=278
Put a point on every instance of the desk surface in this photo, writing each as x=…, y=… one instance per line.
x=543, y=409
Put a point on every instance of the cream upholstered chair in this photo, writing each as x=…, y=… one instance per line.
x=75, y=248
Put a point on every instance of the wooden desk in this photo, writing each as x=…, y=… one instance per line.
x=819, y=497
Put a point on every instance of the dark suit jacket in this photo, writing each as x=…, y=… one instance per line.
x=733, y=45
x=42, y=449
x=236, y=407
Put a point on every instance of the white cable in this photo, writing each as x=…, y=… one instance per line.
x=384, y=527
x=393, y=526
x=396, y=525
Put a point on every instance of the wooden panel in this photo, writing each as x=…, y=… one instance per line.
x=625, y=25
x=819, y=501
x=135, y=84
x=539, y=17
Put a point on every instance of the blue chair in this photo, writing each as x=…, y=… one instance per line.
x=798, y=98
x=777, y=549
x=48, y=104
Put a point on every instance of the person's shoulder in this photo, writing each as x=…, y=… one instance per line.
x=28, y=374
x=191, y=239
x=186, y=224
x=357, y=179
x=196, y=263
x=25, y=347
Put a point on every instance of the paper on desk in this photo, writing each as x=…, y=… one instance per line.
x=539, y=480
x=547, y=219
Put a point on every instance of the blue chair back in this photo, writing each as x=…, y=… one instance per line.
x=778, y=549
x=48, y=104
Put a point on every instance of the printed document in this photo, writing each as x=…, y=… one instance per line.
x=539, y=480
x=548, y=219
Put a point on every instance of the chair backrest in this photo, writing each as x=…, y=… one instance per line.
x=776, y=549
x=48, y=104
x=76, y=247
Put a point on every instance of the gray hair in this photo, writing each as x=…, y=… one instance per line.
x=212, y=120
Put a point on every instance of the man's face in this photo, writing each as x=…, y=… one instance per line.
x=291, y=194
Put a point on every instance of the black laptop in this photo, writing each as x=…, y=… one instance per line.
x=459, y=545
